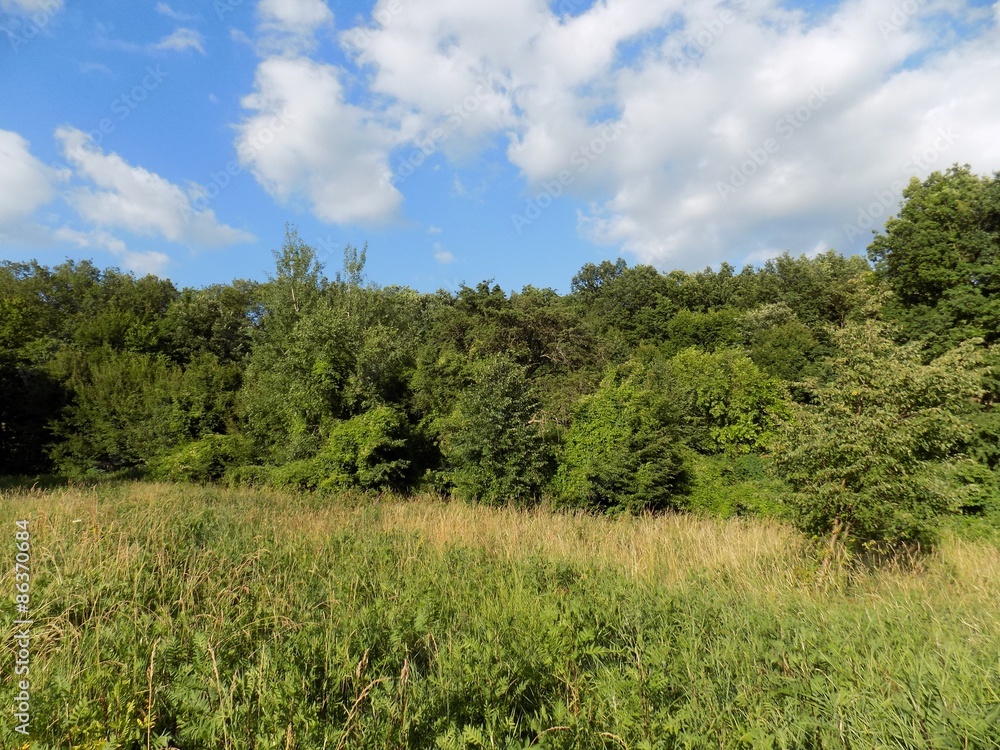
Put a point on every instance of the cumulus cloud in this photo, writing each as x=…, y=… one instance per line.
x=295, y=14
x=25, y=183
x=290, y=25
x=441, y=255
x=689, y=131
x=781, y=133
x=138, y=262
x=123, y=196
x=303, y=140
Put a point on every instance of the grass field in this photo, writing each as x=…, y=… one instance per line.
x=192, y=617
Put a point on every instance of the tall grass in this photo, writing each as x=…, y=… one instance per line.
x=190, y=617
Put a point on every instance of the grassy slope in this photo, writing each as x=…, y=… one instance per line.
x=225, y=619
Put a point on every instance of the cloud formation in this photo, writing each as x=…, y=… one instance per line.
x=123, y=196
x=180, y=40
x=303, y=140
x=289, y=26
x=165, y=10
x=29, y=7
x=25, y=183
x=747, y=128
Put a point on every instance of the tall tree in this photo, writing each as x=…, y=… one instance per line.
x=872, y=454
x=941, y=258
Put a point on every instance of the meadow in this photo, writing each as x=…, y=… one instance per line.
x=200, y=617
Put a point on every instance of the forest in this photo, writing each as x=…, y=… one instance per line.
x=852, y=397
x=749, y=509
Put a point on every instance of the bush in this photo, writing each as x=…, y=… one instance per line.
x=491, y=445
x=620, y=453
x=366, y=452
x=726, y=486
x=877, y=452
x=203, y=460
x=129, y=408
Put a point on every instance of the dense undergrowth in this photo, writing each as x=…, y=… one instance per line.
x=199, y=617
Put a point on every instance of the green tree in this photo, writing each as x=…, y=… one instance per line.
x=218, y=319
x=872, y=454
x=622, y=452
x=128, y=408
x=490, y=441
x=725, y=402
x=941, y=258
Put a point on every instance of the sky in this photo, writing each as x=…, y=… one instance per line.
x=463, y=140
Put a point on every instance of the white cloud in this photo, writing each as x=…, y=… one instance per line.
x=303, y=140
x=127, y=197
x=150, y=262
x=180, y=40
x=94, y=67
x=140, y=263
x=165, y=10
x=441, y=255
x=295, y=14
x=832, y=105
x=692, y=131
x=25, y=183
x=31, y=6
x=290, y=25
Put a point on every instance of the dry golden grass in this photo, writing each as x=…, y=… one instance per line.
x=758, y=556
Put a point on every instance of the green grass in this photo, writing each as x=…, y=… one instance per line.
x=192, y=617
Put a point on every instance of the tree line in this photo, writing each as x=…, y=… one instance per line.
x=846, y=394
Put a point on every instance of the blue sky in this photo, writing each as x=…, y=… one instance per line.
x=512, y=140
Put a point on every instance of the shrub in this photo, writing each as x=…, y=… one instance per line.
x=620, y=453
x=203, y=460
x=365, y=452
x=728, y=486
x=491, y=444
x=878, y=450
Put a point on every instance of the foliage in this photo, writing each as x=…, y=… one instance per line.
x=365, y=452
x=743, y=485
x=874, y=451
x=725, y=403
x=129, y=408
x=716, y=329
x=202, y=460
x=941, y=258
x=621, y=452
x=202, y=619
x=490, y=442
x=313, y=382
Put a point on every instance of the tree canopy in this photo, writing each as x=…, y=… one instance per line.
x=866, y=391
